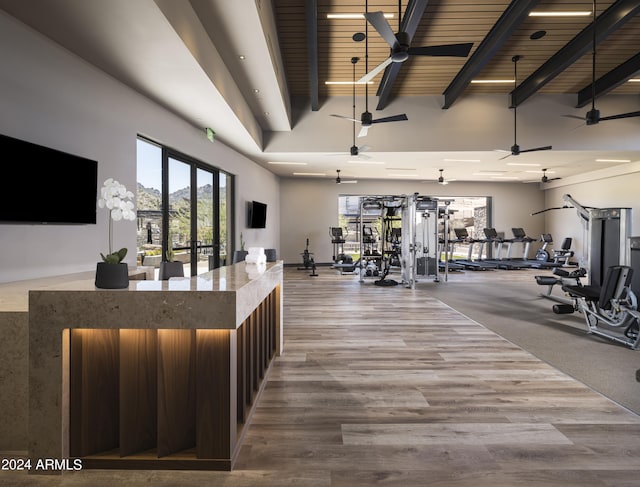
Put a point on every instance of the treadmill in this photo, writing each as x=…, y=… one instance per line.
x=492, y=238
x=519, y=236
x=462, y=236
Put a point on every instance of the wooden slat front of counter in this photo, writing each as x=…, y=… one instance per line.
x=163, y=375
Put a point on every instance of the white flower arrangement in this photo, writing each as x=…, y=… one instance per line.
x=118, y=200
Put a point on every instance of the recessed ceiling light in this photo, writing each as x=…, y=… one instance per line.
x=634, y=80
x=577, y=13
x=285, y=163
x=490, y=81
x=487, y=173
x=366, y=162
x=256, y=90
x=309, y=174
x=354, y=16
x=504, y=177
x=242, y=57
x=613, y=160
x=522, y=164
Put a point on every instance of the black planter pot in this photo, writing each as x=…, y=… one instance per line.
x=239, y=255
x=170, y=269
x=112, y=276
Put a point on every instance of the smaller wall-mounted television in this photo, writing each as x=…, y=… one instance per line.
x=256, y=214
x=43, y=185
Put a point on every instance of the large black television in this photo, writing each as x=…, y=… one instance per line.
x=43, y=185
x=257, y=215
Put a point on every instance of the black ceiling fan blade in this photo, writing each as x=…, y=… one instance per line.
x=546, y=147
x=393, y=118
x=377, y=20
x=453, y=50
x=621, y=115
x=508, y=155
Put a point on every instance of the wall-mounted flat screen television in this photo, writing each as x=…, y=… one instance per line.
x=43, y=185
x=257, y=215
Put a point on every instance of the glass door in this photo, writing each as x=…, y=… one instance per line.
x=184, y=207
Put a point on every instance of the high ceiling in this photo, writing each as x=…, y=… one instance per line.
x=255, y=72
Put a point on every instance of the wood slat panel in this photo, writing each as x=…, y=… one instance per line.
x=138, y=391
x=176, y=391
x=443, y=22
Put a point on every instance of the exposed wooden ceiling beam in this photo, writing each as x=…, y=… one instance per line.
x=609, y=21
x=499, y=34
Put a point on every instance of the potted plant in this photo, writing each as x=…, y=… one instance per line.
x=170, y=267
x=112, y=272
x=239, y=255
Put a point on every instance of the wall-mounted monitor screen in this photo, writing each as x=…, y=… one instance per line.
x=257, y=215
x=43, y=185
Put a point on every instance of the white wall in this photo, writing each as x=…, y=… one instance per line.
x=52, y=98
x=310, y=207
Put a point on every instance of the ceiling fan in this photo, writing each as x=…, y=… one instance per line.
x=354, y=150
x=441, y=180
x=545, y=179
x=515, y=148
x=400, y=43
x=593, y=116
x=340, y=181
x=366, y=118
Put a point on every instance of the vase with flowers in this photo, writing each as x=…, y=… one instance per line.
x=112, y=273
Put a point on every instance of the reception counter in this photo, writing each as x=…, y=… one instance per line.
x=162, y=375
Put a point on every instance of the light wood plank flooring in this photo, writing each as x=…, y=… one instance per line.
x=389, y=386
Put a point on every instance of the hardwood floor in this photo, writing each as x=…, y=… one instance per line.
x=390, y=386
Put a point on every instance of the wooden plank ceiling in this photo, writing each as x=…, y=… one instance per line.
x=446, y=22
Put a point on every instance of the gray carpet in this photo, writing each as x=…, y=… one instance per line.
x=509, y=303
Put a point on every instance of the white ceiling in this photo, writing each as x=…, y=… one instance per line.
x=186, y=56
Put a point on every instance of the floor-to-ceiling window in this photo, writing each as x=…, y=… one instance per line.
x=183, y=206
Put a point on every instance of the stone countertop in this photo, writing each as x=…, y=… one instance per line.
x=221, y=298
x=14, y=296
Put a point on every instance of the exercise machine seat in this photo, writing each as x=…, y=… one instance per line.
x=616, y=279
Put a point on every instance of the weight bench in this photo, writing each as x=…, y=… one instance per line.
x=609, y=310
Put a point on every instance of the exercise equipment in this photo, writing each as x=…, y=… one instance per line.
x=609, y=310
x=557, y=257
x=561, y=277
x=609, y=231
x=463, y=237
x=492, y=238
x=308, y=261
x=337, y=240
